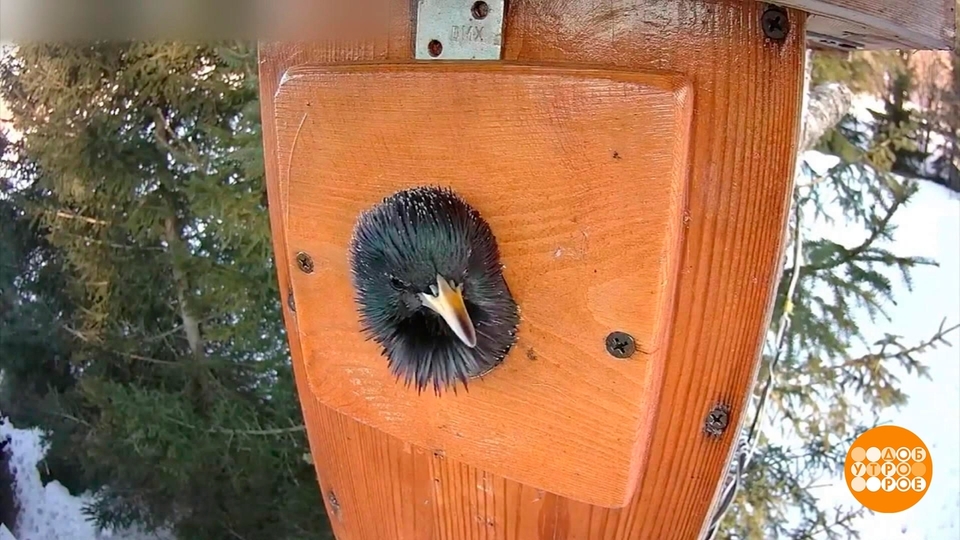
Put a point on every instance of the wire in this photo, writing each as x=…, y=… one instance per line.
x=747, y=445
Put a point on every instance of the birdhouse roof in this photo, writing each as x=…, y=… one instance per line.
x=879, y=24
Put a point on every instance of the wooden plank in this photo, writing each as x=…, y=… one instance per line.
x=745, y=125
x=561, y=162
x=880, y=24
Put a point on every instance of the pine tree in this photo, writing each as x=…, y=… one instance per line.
x=138, y=185
x=946, y=123
x=814, y=383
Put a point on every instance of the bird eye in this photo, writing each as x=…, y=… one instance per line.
x=398, y=284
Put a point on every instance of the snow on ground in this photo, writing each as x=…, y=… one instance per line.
x=49, y=512
x=929, y=226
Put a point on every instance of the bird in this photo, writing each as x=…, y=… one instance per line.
x=430, y=288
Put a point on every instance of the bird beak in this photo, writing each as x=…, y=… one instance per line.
x=448, y=302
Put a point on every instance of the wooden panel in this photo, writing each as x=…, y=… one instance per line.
x=745, y=126
x=882, y=24
x=580, y=173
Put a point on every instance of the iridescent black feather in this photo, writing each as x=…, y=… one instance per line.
x=398, y=248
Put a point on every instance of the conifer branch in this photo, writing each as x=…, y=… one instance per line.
x=253, y=432
x=162, y=133
x=842, y=519
x=149, y=360
x=873, y=358
x=130, y=247
x=86, y=339
x=878, y=230
x=71, y=215
x=234, y=533
x=855, y=253
x=170, y=332
x=76, y=333
x=66, y=416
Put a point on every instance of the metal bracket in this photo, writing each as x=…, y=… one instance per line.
x=459, y=29
x=833, y=42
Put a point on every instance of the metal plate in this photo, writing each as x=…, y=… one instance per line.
x=459, y=29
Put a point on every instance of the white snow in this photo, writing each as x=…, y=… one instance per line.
x=49, y=512
x=929, y=226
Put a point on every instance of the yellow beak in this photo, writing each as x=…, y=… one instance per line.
x=448, y=302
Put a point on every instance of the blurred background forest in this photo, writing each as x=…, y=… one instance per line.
x=140, y=323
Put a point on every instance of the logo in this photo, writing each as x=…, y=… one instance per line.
x=888, y=469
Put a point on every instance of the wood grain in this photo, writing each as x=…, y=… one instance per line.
x=884, y=24
x=745, y=126
x=580, y=173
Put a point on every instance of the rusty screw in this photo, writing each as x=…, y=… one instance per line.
x=775, y=23
x=620, y=345
x=434, y=48
x=305, y=263
x=717, y=420
x=480, y=10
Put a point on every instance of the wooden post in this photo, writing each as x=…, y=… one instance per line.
x=635, y=159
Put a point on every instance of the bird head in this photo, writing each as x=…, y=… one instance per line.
x=430, y=289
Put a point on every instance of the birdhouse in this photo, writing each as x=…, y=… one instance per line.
x=528, y=249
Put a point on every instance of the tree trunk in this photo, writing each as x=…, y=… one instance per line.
x=827, y=104
x=191, y=324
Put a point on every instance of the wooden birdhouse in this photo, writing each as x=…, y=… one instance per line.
x=634, y=162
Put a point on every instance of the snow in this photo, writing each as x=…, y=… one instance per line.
x=49, y=512
x=929, y=226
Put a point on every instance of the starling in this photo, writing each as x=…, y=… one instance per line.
x=430, y=289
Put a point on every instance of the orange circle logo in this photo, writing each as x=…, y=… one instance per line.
x=888, y=469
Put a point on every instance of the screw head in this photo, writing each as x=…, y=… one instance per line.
x=620, y=344
x=479, y=10
x=334, y=503
x=305, y=263
x=775, y=23
x=717, y=420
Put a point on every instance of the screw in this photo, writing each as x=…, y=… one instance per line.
x=334, y=504
x=717, y=420
x=775, y=23
x=479, y=10
x=290, y=303
x=620, y=345
x=305, y=263
x=434, y=48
